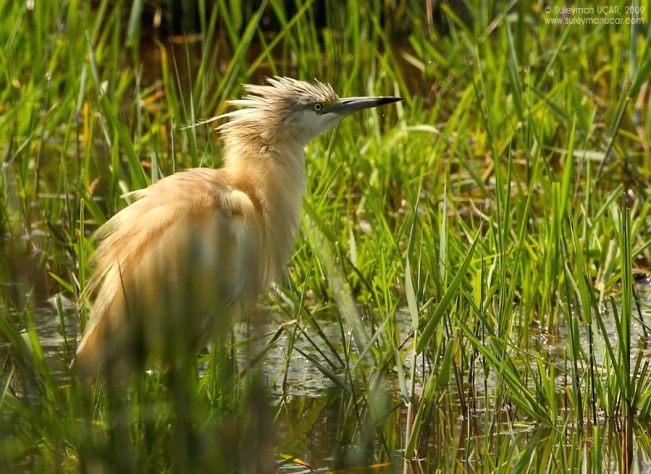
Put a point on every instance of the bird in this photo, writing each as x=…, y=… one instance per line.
x=195, y=249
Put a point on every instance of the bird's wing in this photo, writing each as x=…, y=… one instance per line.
x=189, y=247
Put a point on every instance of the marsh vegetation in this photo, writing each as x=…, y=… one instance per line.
x=469, y=290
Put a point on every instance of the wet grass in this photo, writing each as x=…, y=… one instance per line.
x=468, y=281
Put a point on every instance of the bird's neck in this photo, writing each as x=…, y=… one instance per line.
x=274, y=178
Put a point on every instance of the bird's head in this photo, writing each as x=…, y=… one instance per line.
x=301, y=109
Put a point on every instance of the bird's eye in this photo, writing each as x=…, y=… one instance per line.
x=318, y=107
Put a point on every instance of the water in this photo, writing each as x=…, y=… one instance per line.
x=313, y=407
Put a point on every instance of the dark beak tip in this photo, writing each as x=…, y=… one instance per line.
x=388, y=100
x=353, y=104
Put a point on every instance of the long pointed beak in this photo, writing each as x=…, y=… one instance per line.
x=353, y=104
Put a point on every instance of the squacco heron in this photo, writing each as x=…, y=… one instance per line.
x=197, y=247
